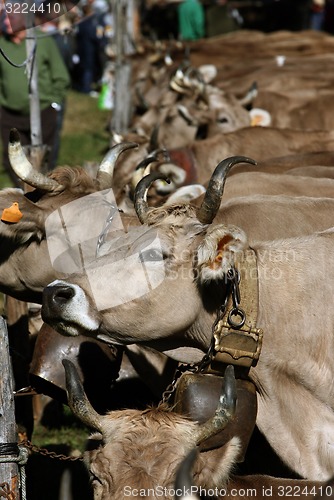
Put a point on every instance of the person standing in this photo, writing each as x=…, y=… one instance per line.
x=191, y=19
x=91, y=42
x=53, y=83
x=317, y=15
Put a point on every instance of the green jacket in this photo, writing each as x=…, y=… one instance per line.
x=191, y=20
x=53, y=77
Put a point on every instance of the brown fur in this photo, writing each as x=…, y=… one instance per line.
x=292, y=312
x=142, y=450
x=75, y=179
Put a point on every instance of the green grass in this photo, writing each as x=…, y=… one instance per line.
x=84, y=135
x=68, y=431
x=60, y=435
x=72, y=436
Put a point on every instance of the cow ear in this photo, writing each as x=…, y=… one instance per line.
x=215, y=466
x=186, y=194
x=217, y=252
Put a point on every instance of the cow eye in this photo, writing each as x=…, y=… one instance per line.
x=223, y=120
x=151, y=255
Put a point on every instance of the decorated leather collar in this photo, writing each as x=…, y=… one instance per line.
x=236, y=338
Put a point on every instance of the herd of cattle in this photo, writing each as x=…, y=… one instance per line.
x=203, y=187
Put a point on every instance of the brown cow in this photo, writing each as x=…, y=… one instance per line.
x=253, y=486
x=170, y=271
x=262, y=143
x=257, y=142
x=26, y=264
x=25, y=260
x=138, y=453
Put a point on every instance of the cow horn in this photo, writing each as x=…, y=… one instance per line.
x=212, y=199
x=115, y=138
x=77, y=399
x=154, y=139
x=250, y=96
x=107, y=165
x=143, y=168
x=184, y=476
x=184, y=113
x=168, y=59
x=140, y=196
x=24, y=169
x=225, y=410
x=174, y=85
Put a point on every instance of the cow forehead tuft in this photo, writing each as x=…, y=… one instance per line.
x=159, y=214
x=74, y=178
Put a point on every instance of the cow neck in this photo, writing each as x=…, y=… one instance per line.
x=236, y=339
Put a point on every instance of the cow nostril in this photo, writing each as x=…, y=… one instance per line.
x=62, y=294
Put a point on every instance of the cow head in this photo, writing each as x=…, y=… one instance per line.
x=141, y=450
x=149, y=285
x=24, y=258
x=189, y=108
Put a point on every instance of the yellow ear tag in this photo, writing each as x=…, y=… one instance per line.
x=12, y=214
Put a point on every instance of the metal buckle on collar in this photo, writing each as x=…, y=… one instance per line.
x=240, y=346
x=236, y=340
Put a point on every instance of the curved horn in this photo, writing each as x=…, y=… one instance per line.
x=154, y=139
x=77, y=399
x=161, y=153
x=184, y=113
x=184, y=476
x=250, y=96
x=107, y=165
x=192, y=71
x=168, y=57
x=168, y=60
x=142, y=169
x=194, y=79
x=225, y=410
x=179, y=89
x=140, y=197
x=211, y=203
x=24, y=169
x=115, y=138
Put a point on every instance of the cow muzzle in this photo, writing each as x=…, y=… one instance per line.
x=66, y=308
x=59, y=295
x=55, y=298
